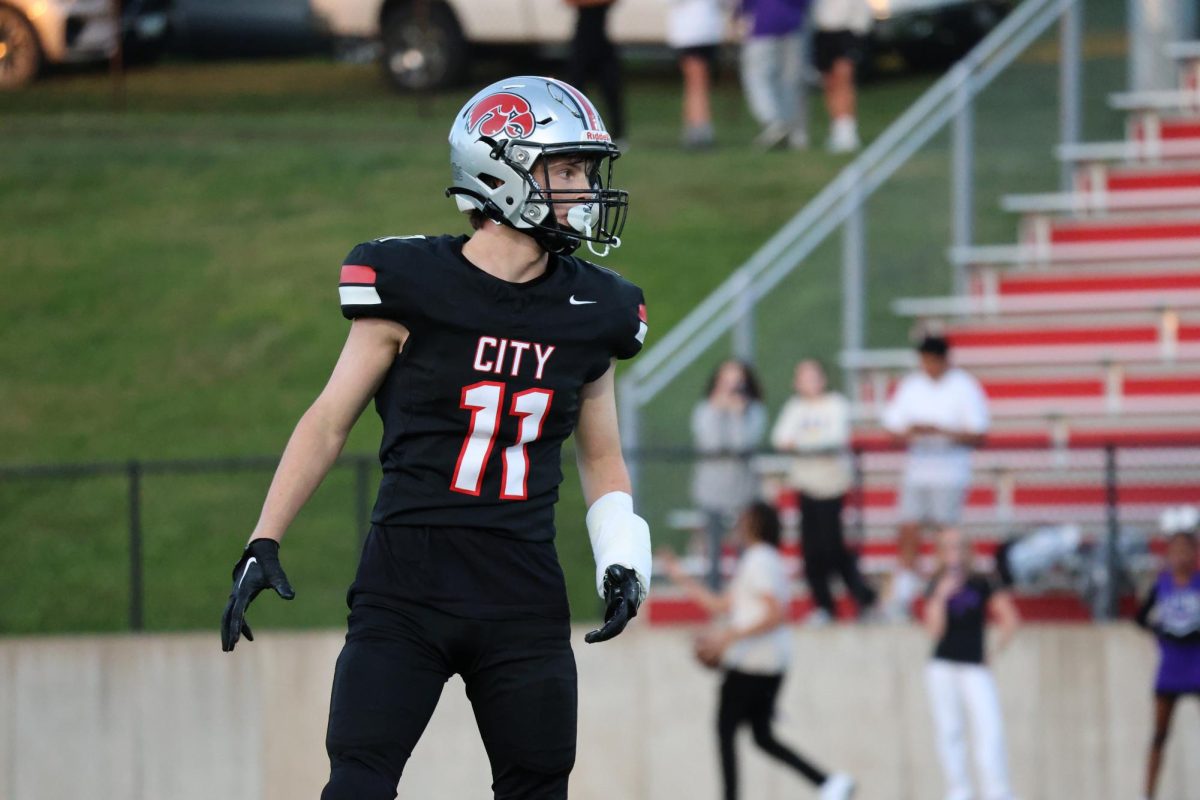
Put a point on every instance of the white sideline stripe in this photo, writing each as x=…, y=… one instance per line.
x=359, y=296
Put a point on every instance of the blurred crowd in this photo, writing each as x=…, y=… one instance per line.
x=784, y=45
x=939, y=414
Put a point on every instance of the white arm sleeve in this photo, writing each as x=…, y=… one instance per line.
x=619, y=536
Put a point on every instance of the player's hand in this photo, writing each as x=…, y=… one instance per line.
x=623, y=594
x=257, y=569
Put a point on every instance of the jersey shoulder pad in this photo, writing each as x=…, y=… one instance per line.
x=627, y=332
x=377, y=278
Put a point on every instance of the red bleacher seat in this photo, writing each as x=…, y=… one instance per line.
x=1057, y=283
x=1067, y=231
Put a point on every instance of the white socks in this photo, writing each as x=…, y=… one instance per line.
x=843, y=135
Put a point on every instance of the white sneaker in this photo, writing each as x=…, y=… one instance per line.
x=798, y=140
x=843, y=135
x=818, y=618
x=838, y=786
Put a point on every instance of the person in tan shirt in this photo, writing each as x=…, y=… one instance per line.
x=814, y=426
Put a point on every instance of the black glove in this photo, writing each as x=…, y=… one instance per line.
x=257, y=569
x=623, y=594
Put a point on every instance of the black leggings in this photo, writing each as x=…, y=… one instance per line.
x=751, y=698
x=826, y=554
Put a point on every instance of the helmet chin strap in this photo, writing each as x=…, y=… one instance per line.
x=583, y=219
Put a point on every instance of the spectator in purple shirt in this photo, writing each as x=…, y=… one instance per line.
x=1172, y=612
x=773, y=58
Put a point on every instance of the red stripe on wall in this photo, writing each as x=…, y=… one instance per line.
x=1050, y=607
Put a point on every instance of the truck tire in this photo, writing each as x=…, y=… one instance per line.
x=423, y=46
x=20, y=51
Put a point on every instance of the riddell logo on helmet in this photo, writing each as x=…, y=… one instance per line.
x=502, y=112
x=597, y=136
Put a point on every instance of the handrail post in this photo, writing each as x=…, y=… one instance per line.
x=854, y=285
x=860, y=490
x=1070, y=77
x=629, y=417
x=743, y=331
x=1112, y=565
x=962, y=173
x=136, y=609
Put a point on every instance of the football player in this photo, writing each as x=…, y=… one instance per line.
x=482, y=353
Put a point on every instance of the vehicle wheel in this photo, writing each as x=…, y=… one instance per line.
x=423, y=47
x=20, y=53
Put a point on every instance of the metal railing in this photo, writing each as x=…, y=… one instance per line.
x=134, y=472
x=731, y=307
x=1110, y=470
x=1113, y=493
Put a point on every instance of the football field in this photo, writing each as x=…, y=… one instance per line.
x=170, y=272
x=171, y=276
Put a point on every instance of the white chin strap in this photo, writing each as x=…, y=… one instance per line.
x=583, y=218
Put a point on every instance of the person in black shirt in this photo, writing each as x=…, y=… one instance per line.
x=957, y=605
x=482, y=355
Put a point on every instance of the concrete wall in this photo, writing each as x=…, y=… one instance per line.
x=170, y=717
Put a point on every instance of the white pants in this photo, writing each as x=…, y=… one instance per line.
x=773, y=79
x=953, y=689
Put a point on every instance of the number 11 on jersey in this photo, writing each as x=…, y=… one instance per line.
x=485, y=400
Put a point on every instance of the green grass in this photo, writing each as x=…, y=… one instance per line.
x=169, y=274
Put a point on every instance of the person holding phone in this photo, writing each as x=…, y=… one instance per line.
x=960, y=684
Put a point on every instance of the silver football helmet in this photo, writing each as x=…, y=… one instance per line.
x=499, y=145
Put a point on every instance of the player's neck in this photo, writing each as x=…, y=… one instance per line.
x=506, y=254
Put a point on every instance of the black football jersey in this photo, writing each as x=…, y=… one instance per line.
x=476, y=406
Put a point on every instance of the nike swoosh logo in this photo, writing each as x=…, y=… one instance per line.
x=575, y=302
x=252, y=560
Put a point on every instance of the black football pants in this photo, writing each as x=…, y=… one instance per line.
x=520, y=678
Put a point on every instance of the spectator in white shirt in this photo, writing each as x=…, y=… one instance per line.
x=753, y=650
x=941, y=413
x=814, y=426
